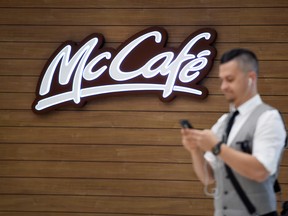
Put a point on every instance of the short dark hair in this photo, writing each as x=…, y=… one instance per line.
x=247, y=59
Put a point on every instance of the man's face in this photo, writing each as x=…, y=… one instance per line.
x=234, y=82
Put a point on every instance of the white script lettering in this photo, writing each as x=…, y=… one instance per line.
x=133, y=68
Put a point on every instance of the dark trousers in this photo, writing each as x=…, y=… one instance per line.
x=271, y=214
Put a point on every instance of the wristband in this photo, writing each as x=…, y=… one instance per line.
x=217, y=148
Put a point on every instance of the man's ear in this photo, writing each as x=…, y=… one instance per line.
x=249, y=81
x=252, y=75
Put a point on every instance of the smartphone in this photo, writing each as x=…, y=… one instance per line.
x=185, y=123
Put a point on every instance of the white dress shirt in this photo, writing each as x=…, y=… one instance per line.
x=269, y=137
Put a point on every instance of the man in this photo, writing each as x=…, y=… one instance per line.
x=252, y=150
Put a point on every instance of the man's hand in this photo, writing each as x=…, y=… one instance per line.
x=192, y=141
x=188, y=140
x=202, y=139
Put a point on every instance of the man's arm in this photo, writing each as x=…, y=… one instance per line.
x=245, y=164
x=201, y=167
x=268, y=144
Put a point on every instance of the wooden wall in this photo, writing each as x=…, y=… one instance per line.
x=119, y=155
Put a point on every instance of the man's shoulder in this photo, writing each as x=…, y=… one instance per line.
x=267, y=109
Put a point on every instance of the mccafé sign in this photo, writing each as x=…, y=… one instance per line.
x=79, y=72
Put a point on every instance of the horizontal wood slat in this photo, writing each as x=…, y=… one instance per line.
x=90, y=136
x=42, y=51
x=121, y=154
x=100, y=153
x=105, y=170
x=5, y=213
x=106, y=205
x=102, y=187
x=181, y=206
x=142, y=4
x=110, y=119
x=14, y=67
x=176, y=34
x=229, y=16
x=28, y=85
x=29, y=213
x=125, y=136
x=102, y=170
x=60, y=34
x=105, y=187
x=213, y=103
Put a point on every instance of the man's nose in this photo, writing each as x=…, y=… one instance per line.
x=223, y=86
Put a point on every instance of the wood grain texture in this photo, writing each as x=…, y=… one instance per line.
x=102, y=187
x=110, y=119
x=120, y=155
x=214, y=103
x=182, y=206
x=154, y=16
x=99, y=153
x=27, y=84
x=105, y=170
x=176, y=34
x=143, y=4
x=34, y=67
x=42, y=51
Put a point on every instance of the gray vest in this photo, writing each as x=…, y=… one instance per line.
x=262, y=195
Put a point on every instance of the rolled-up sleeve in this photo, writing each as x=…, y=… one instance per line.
x=269, y=140
x=212, y=159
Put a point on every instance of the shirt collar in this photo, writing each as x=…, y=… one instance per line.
x=248, y=106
